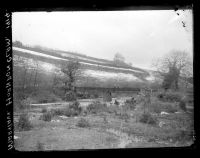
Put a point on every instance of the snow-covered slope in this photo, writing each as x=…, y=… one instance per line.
x=100, y=74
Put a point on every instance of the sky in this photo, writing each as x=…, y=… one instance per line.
x=140, y=36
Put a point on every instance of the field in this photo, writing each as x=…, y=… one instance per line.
x=111, y=125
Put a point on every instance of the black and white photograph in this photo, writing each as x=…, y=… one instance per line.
x=102, y=79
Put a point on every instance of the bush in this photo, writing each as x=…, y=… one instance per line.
x=148, y=118
x=47, y=98
x=57, y=112
x=96, y=95
x=24, y=123
x=182, y=105
x=124, y=116
x=96, y=107
x=158, y=107
x=170, y=108
x=83, y=123
x=169, y=97
x=21, y=104
x=130, y=104
x=75, y=106
x=40, y=146
x=183, y=136
x=47, y=116
x=44, y=110
x=70, y=112
x=70, y=96
x=74, y=109
x=116, y=102
x=83, y=95
x=113, y=109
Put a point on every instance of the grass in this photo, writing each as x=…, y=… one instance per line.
x=44, y=97
x=178, y=127
x=158, y=107
x=124, y=116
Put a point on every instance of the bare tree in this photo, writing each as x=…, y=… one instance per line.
x=72, y=73
x=172, y=66
x=36, y=74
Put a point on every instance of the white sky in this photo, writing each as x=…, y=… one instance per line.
x=139, y=36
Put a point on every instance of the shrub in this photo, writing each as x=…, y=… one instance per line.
x=148, y=118
x=24, y=123
x=21, y=104
x=74, y=109
x=155, y=107
x=170, y=108
x=130, y=104
x=44, y=110
x=124, y=116
x=57, y=111
x=83, y=95
x=182, y=105
x=70, y=112
x=183, y=136
x=96, y=95
x=75, y=106
x=116, y=102
x=169, y=97
x=158, y=107
x=40, y=146
x=96, y=107
x=113, y=109
x=47, y=97
x=47, y=116
x=70, y=96
x=83, y=123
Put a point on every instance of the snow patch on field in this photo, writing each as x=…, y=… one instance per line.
x=151, y=77
x=53, y=57
x=107, y=75
x=72, y=56
x=48, y=67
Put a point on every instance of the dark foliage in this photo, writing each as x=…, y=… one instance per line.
x=148, y=119
x=96, y=107
x=24, y=124
x=47, y=116
x=83, y=123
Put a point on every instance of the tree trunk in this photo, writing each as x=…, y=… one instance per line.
x=24, y=81
x=176, y=84
x=35, y=80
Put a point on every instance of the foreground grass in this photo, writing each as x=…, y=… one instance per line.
x=115, y=126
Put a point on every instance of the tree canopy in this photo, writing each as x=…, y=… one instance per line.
x=174, y=65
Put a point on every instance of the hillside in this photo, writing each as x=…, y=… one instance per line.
x=100, y=69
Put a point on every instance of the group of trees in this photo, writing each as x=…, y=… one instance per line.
x=174, y=67
x=25, y=74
